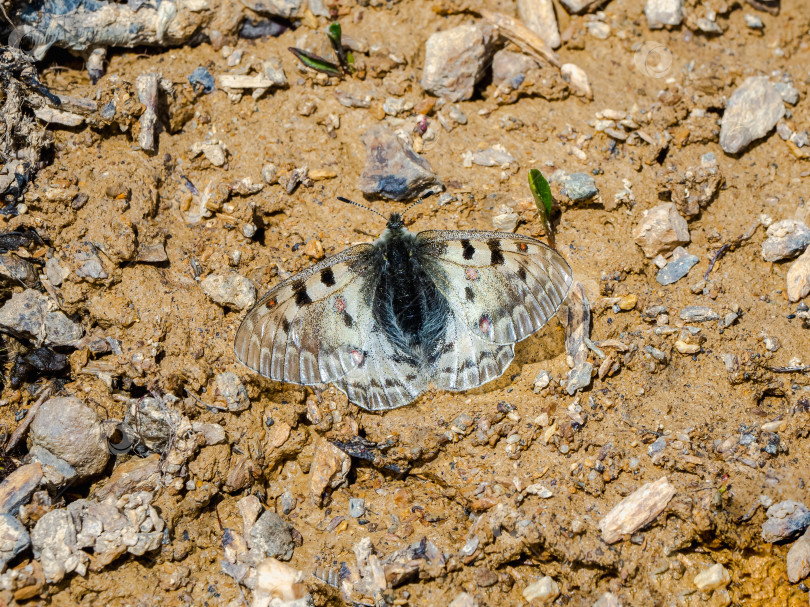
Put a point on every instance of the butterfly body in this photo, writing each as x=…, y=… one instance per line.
x=384, y=321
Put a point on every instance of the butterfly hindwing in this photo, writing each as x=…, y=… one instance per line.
x=504, y=286
x=311, y=328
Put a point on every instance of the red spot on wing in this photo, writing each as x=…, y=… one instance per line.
x=472, y=273
x=340, y=304
x=485, y=324
x=523, y=247
x=358, y=356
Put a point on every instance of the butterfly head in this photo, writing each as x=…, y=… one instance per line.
x=395, y=222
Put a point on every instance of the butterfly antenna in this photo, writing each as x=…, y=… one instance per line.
x=427, y=194
x=357, y=204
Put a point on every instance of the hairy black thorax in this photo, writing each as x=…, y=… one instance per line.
x=407, y=305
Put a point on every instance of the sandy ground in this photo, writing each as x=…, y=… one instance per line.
x=457, y=486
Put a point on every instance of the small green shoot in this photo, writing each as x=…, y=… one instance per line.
x=335, y=37
x=542, y=198
x=317, y=63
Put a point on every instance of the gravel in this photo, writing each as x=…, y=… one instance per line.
x=456, y=59
x=661, y=13
x=660, y=230
x=698, y=314
x=230, y=290
x=676, y=269
x=751, y=113
x=271, y=536
x=786, y=239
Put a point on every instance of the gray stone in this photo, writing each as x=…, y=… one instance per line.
x=751, y=113
x=786, y=239
x=55, y=470
x=17, y=488
x=579, y=377
x=657, y=446
x=13, y=539
x=54, y=542
x=34, y=316
x=787, y=92
x=55, y=272
x=496, y=156
x=786, y=519
x=698, y=314
x=357, y=507
x=539, y=17
x=578, y=6
x=230, y=388
x=72, y=431
x=579, y=187
x=89, y=265
x=510, y=67
x=271, y=536
x=18, y=271
x=393, y=170
x=287, y=502
x=661, y=229
x=798, y=277
x=752, y=21
x=676, y=269
x=230, y=290
x=456, y=59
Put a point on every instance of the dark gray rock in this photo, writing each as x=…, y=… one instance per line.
x=751, y=113
x=357, y=507
x=13, y=539
x=676, y=269
x=71, y=431
x=579, y=187
x=34, y=316
x=271, y=536
x=393, y=170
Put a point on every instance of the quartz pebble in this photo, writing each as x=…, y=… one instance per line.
x=544, y=591
x=751, y=113
x=798, y=277
x=214, y=151
x=71, y=431
x=538, y=16
x=785, y=239
x=577, y=79
x=279, y=585
x=660, y=230
x=661, y=13
x=637, y=510
x=232, y=290
x=712, y=578
x=798, y=559
x=393, y=170
x=456, y=59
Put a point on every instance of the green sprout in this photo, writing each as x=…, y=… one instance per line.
x=316, y=62
x=345, y=58
x=542, y=198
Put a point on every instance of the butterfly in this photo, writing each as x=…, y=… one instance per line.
x=383, y=321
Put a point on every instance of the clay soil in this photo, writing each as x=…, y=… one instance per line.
x=452, y=486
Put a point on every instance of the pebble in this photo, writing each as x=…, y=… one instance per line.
x=544, y=590
x=89, y=265
x=579, y=377
x=798, y=277
x=771, y=343
x=13, y=539
x=357, y=507
x=32, y=315
x=393, y=170
x=456, y=59
x=394, y=106
x=577, y=6
x=330, y=467
x=785, y=239
x=598, y=29
x=685, y=348
x=279, y=585
x=752, y=21
x=541, y=380
x=698, y=314
x=153, y=253
x=676, y=269
x=457, y=115
x=751, y=113
x=202, y=77
x=661, y=13
x=628, y=302
x=271, y=536
x=496, y=156
x=270, y=173
x=232, y=290
x=712, y=578
x=485, y=577
x=287, y=502
x=214, y=151
x=56, y=472
x=230, y=389
x=463, y=600
x=17, y=488
x=657, y=446
x=538, y=16
x=151, y=423
x=798, y=559
x=506, y=221
x=579, y=187
x=637, y=510
x=608, y=599
x=787, y=92
x=661, y=229
x=785, y=520
x=511, y=68
x=577, y=79
x=71, y=431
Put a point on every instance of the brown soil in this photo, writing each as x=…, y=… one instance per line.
x=161, y=312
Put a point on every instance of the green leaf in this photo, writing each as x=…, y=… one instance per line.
x=334, y=33
x=335, y=37
x=542, y=198
x=315, y=62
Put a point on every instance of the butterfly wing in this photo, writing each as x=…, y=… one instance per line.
x=311, y=328
x=503, y=287
x=384, y=379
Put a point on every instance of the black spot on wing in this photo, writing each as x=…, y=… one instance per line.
x=522, y=273
x=468, y=250
x=347, y=319
x=496, y=255
x=285, y=325
x=328, y=277
x=468, y=294
x=302, y=298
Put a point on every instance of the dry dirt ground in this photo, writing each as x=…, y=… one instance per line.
x=457, y=486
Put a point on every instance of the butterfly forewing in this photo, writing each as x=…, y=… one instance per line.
x=311, y=328
x=504, y=286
